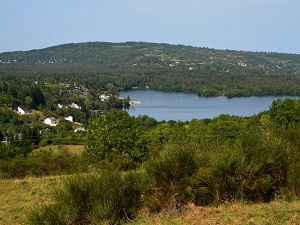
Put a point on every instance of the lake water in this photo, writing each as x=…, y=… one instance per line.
x=186, y=106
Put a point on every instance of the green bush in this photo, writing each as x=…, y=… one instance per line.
x=169, y=174
x=98, y=197
x=41, y=163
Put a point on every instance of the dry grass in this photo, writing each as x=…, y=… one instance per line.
x=72, y=149
x=19, y=196
x=275, y=213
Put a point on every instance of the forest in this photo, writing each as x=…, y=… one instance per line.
x=130, y=164
x=205, y=71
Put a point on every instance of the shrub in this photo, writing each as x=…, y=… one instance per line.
x=97, y=197
x=169, y=174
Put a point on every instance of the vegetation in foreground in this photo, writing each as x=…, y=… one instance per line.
x=19, y=196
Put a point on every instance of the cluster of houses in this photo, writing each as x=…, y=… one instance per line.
x=73, y=105
x=52, y=121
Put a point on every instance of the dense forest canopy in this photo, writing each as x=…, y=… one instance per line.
x=205, y=71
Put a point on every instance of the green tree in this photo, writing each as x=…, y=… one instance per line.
x=29, y=102
x=37, y=96
x=285, y=112
x=111, y=89
x=116, y=134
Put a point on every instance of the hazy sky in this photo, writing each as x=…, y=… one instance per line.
x=251, y=25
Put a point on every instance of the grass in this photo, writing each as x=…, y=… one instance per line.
x=73, y=149
x=19, y=196
x=275, y=213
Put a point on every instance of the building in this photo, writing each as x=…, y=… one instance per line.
x=104, y=97
x=69, y=118
x=79, y=129
x=51, y=121
x=23, y=110
x=75, y=106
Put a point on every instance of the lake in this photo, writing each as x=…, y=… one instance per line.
x=186, y=106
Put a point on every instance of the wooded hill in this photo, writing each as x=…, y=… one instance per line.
x=208, y=72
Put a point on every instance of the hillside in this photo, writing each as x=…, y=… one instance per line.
x=165, y=67
x=21, y=196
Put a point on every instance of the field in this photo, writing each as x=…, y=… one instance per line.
x=19, y=196
x=72, y=149
x=277, y=212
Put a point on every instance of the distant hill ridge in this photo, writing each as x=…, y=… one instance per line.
x=166, y=67
x=134, y=53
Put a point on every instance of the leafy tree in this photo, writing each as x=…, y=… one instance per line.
x=161, y=134
x=29, y=102
x=285, y=112
x=147, y=121
x=37, y=96
x=63, y=128
x=111, y=89
x=116, y=134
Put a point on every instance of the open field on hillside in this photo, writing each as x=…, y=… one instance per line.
x=277, y=212
x=19, y=196
x=72, y=149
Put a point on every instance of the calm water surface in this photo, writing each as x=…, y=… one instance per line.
x=186, y=106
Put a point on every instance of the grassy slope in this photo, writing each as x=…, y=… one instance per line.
x=277, y=212
x=19, y=196
x=72, y=149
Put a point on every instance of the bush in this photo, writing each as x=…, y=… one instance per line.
x=169, y=174
x=99, y=197
x=41, y=163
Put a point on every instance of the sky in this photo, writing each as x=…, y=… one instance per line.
x=249, y=25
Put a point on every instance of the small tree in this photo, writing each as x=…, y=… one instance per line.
x=115, y=134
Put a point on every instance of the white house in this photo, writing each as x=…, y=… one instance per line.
x=60, y=105
x=79, y=129
x=104, y=97
x=76, y=106
x=23, y=110
x=51, y=121
x=69, y=118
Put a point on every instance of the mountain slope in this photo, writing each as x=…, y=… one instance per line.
x=167, y=67
x=140, y=52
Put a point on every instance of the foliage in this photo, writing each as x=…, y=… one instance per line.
x=116, y=134
x=285, y=112
x=169, y=173
x=102, y=197
x=41, y=163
